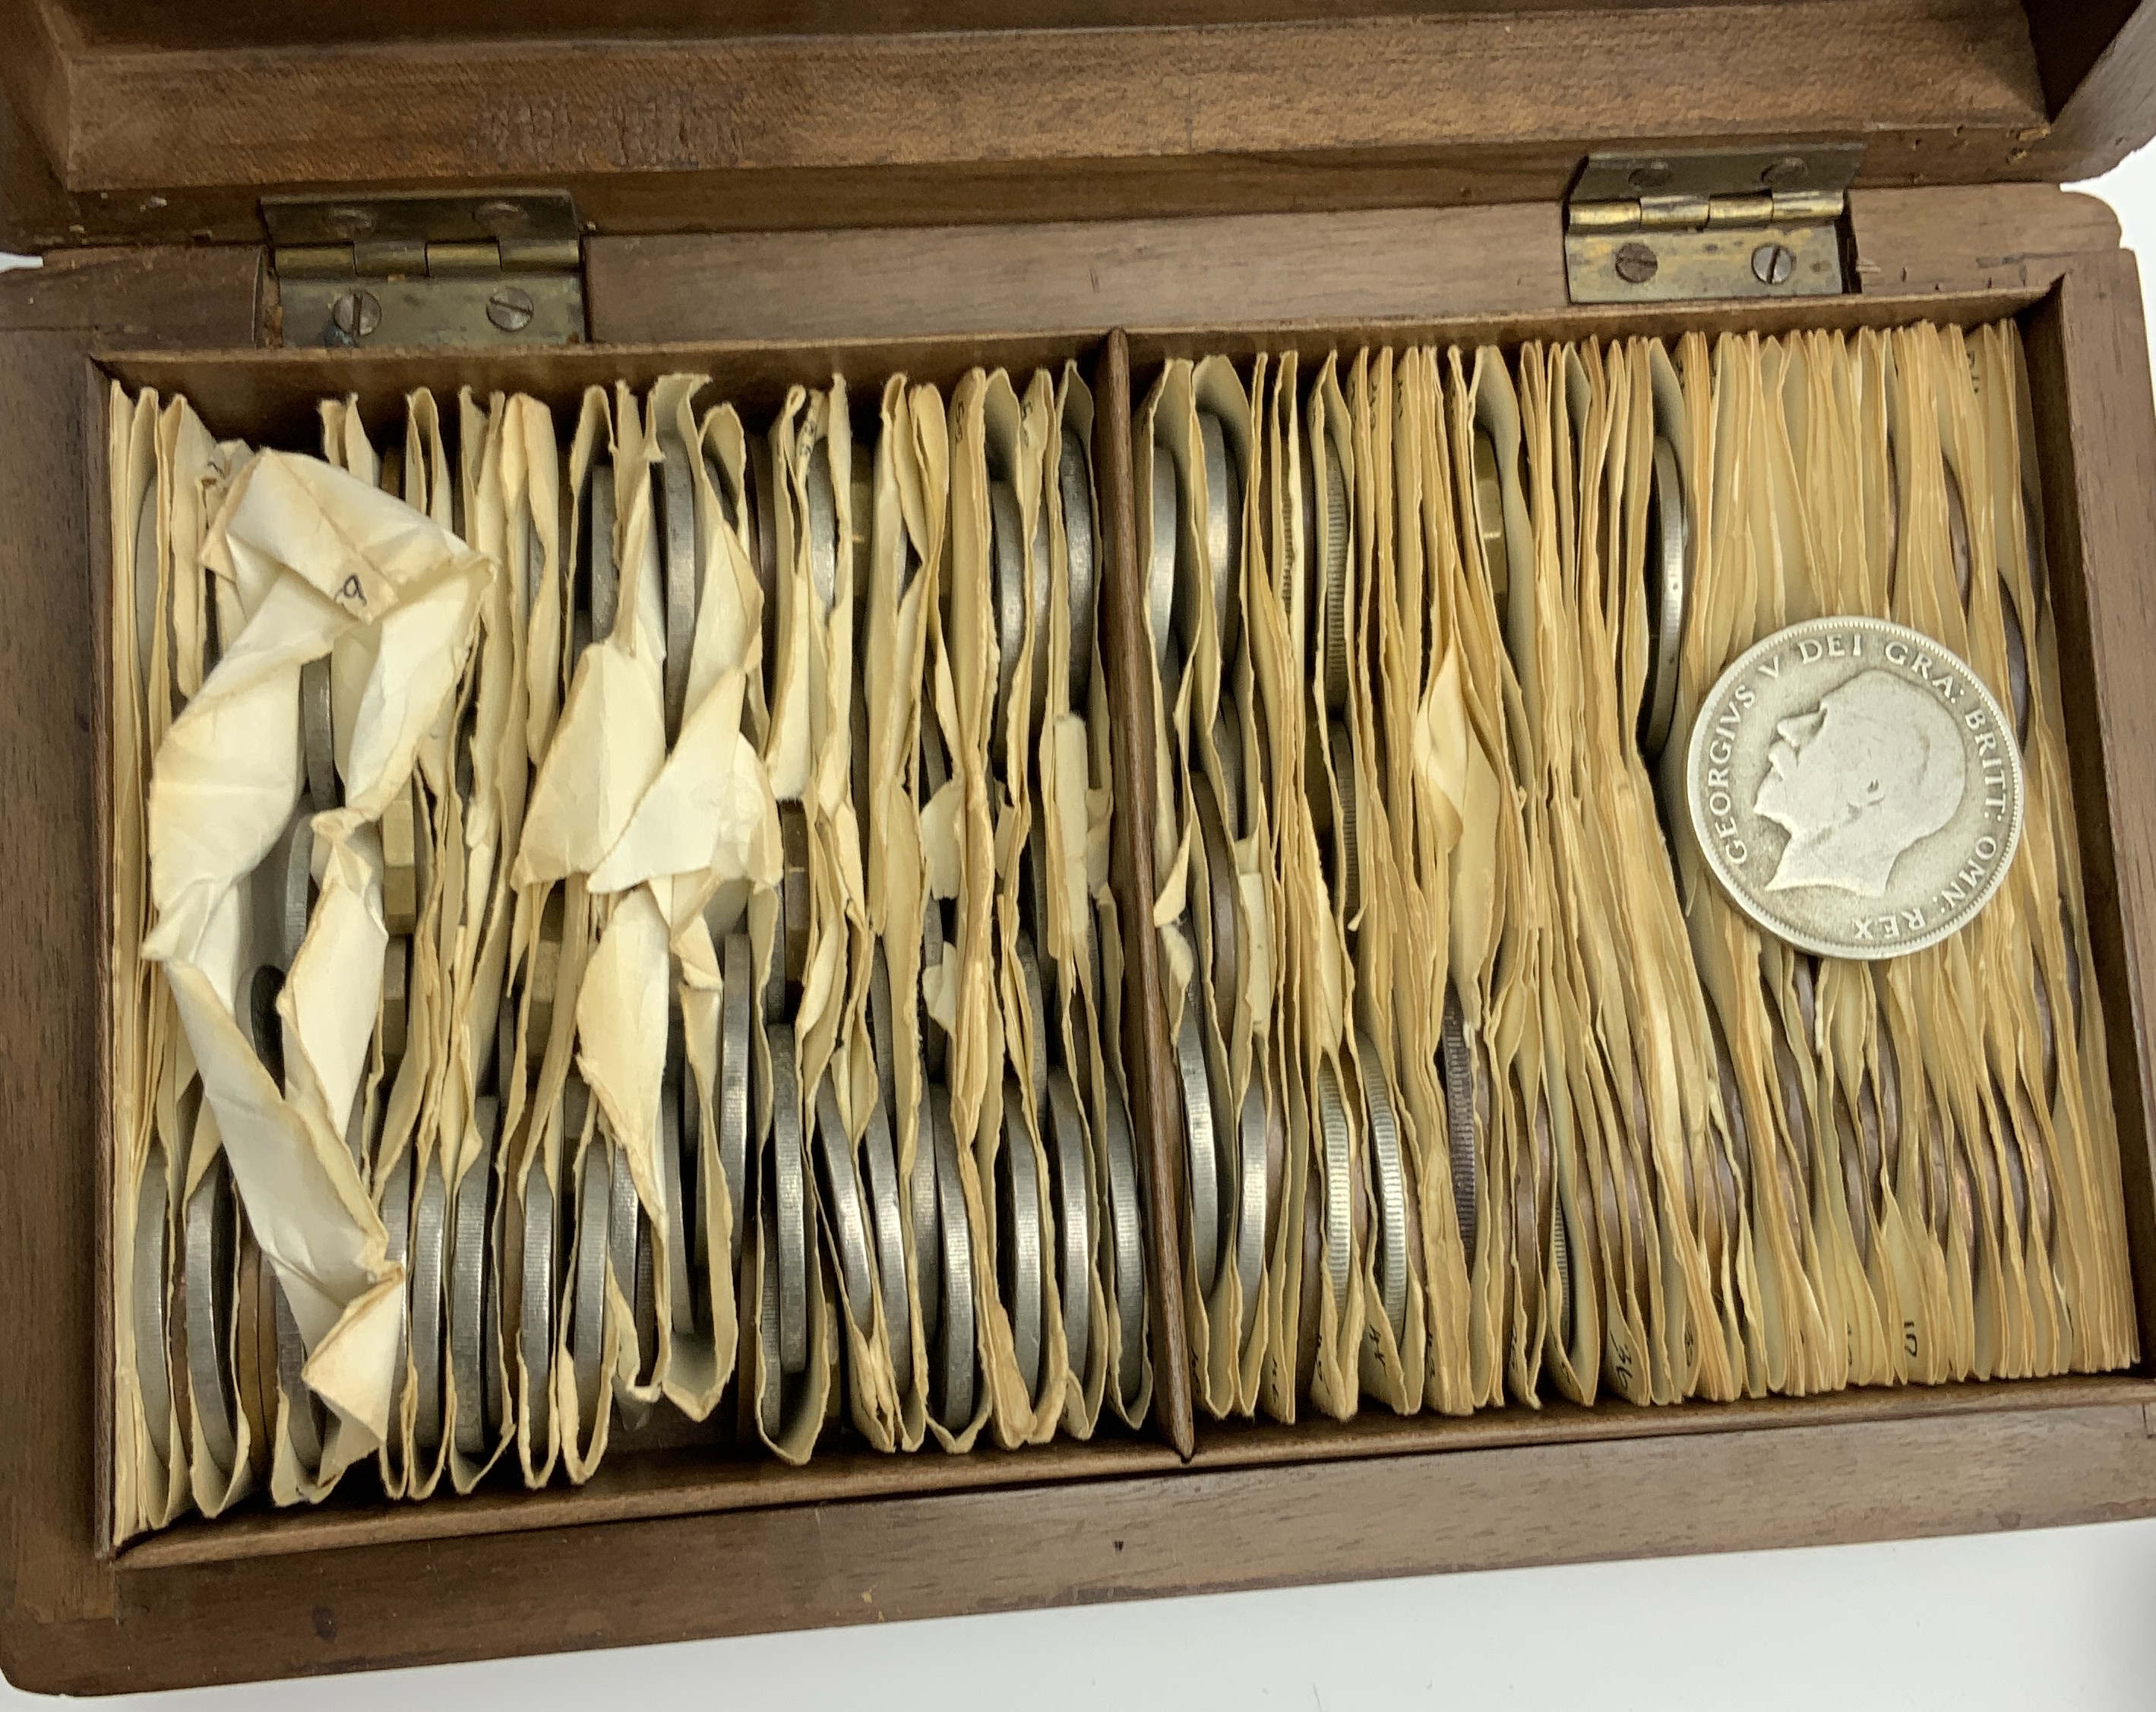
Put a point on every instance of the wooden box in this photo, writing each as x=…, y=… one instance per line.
x=774, y=196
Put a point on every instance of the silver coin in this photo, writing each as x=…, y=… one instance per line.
x=258, y=1020
x=304, y=1416
x=470, y=1260
x=356, y=1125
x=535, y=564
x=1039, y=586
x=1126, y=1233
x=1390, y=1172
x=1036, y=1002
x=208, y=1282
x=1337, y=1146
x=841, y=1184
x=1856, y=789
x=857, y=753
x=771, y=1404
x=673, y=487
x=1223, y=531
x=823, y=528
x=1007, y=555
x=395, y=1206
x=213, y=638
x=790, y=959
x=1561, y=1258
x=588, y=1303
x=1227, y=744
x=927, y=1229
x=955, y=1333
x=535, y=1313
x=396, y=1002
x=733, y=1114
x=1201, y=1145
x=862, y=523
x=681, y=1240
x=1220, y=892
x=1489, y=524
x=1019, y=1245
x=430, y=1209
x=1666, y=545
x=317, y=745
x=286, y=887
x=1958, y=531
x=644, y=1300
x=1298, y=565
x=1160, y=571
x=601, y=571
x=1073, y=1199
x=882, y=1041
x=760, y=528
x=789, y=1178
x=401, y=826
x=1034, y=894
x=1332, y=593
x=1252, y=1212
x=1348, y=821
x=879, y=1171
x=146, y=566
x=153, y=1373
x=697, y=1213
x=1459, y=1068
x=1074, y=471
x=2017, y=662
x=932, y=957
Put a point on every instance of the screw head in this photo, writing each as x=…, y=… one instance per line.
x=1648, y=175
x=1772, y=264
x=357, y=314
x=1782, y=172
x=1637, y=264
x=511, y=309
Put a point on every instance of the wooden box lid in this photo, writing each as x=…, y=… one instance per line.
x=134, y=122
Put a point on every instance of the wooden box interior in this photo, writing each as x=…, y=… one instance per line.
x=1218, y=175
x=271, y=396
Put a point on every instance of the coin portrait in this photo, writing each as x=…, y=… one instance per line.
x=1856, y=789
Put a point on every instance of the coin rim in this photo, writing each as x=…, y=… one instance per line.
x=1074, y=1217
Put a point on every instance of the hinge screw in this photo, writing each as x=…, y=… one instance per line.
x=511, y=309
x=357, y=314
x=1772, y=264
x=1637, y=264
x=1648, y=175
x=1781, y=172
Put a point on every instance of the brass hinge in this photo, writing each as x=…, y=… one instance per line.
x=1752, y=222
x=500, y=267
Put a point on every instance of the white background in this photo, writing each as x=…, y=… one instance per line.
x=2059, y=1619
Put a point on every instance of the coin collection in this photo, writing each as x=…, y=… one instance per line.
x=680, y=982
x=1490, y=1088
x=613, y=944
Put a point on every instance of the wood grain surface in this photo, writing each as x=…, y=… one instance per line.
x=2097, y=61
x=1147, y=1073
x=2088, y=374
x=684, y=132
x=1455, y=264
x=49, y=1280
x=1195, y=1531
